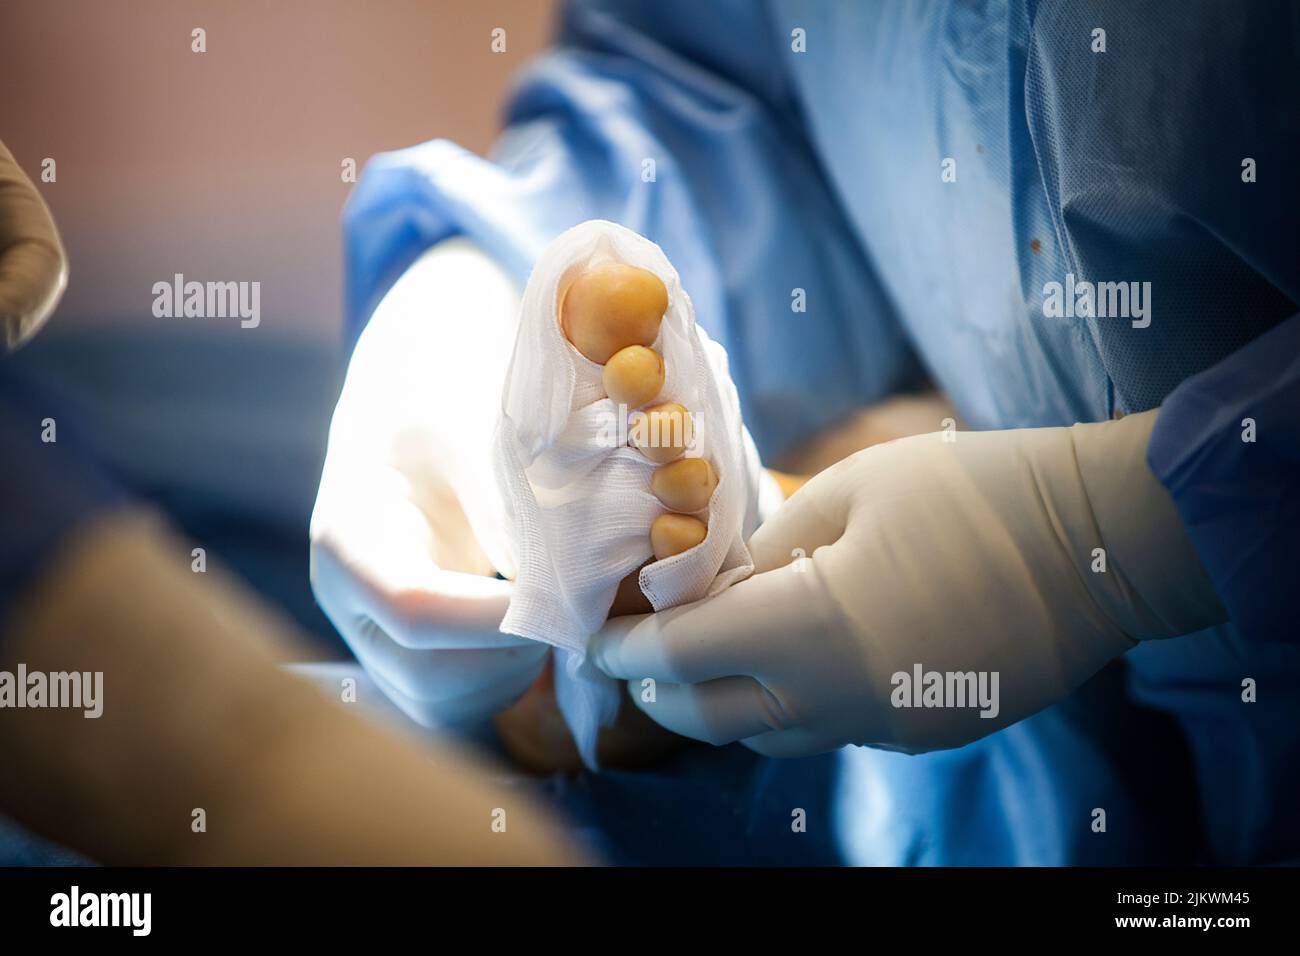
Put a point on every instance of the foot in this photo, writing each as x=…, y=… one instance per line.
x=611, y=314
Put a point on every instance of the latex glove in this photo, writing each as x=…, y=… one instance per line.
x=407, y=527
x=33, y=267
x=964, y=556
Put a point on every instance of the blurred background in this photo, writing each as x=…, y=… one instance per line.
x=227, y=165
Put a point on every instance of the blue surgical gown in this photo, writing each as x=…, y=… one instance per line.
x=914, y=174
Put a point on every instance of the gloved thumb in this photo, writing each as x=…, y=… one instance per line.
x=813, y=516
x=33, y=267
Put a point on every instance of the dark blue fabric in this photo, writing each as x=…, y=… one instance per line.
x=708, y=807
x=1239, y=498
x=1027, y=796
x=1245, y=779
x=47, y=489
x=1141, y=151
x=225, y=437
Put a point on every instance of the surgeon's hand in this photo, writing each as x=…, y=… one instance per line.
x=397, y=562
x=33, y=267
x=977, y=555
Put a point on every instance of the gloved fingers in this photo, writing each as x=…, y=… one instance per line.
x=814, y=516
x=429, y=674
x=717, y=711
x=468, y=704
x=382, y=569
x=449, y=611
x=723, y=636
x=33, y=267
x=795, y=742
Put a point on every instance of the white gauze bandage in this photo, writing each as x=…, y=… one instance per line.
x=577, y=499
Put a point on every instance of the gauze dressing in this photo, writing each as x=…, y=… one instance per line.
x=577, y=499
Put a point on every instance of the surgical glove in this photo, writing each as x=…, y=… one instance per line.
x=33, y=267
x=1024, y=559
x=407, y=528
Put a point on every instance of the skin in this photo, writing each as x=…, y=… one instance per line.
x=634, y=376
x=611, y=307
x=671, y=534
x=685, y=485
x=630, y=599
x=661, y=432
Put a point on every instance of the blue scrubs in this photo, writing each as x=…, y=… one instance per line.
x=917, y=174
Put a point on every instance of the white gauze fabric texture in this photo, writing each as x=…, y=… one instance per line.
x=577, y=499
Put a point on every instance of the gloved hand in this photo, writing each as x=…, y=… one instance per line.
x=33, y=267
x=407, y=528
x=975, y=555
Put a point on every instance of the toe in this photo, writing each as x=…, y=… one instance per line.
x=611, y=307
x=672, y=534
x=634, y=376
x=662, y=432
x=684, y=485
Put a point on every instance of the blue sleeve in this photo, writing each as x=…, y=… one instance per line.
x=680, y=124
x=1227, y=446
x=1170, y=158
x=49, y=483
